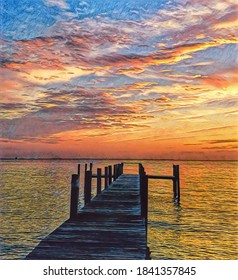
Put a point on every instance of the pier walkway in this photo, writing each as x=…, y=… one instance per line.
x=112, y=225
x=109, y=227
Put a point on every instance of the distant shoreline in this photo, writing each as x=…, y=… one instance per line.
x=112, y=159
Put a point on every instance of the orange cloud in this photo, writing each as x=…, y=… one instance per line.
x=159, y=100
x=191, y=48
x=227, y=78
x=167, y=56
x=44, y=76
x=9, y=85
x=130, y=71
x=232, y=23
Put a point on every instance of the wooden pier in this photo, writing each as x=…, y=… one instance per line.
x=112, y=225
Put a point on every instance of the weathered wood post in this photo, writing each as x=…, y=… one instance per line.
x=144, y=195
x=106, y=177
x=144, y=203
x=74, y=197
x=140, y=169
x=99, y=180
x=109, y=174
x=142, y=189
x=91, y=166
x=79, y=169
x=122, y=166
x=142, y=173
x=87, y=187
x=85, y=170
x=114, y=172
x=176, y=183
x=119, y=169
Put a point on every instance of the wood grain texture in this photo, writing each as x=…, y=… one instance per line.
x=110, y=227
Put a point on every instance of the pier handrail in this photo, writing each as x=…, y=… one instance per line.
x=175, y=178
x=110, y=174
x=144, y=180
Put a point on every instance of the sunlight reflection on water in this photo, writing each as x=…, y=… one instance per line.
x=34, y=199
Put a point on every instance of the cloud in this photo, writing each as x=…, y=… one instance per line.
x=45, y=76
x=11, y=84
x=222, y=79
x=76, y=109
x=82, y=47
x=93, y=76
x=59, y=3
x=222, y=141
x=221, y=148
x=229, y=127
x=229, y=20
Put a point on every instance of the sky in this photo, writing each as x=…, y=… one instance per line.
x=119, y=79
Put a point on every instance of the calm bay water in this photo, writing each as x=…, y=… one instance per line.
x=34, y=200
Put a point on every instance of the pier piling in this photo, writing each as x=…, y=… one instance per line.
x=79, y=169
x=106, y=177
x=74, y=197
x=99, y=180
x=109, y=174
x=112, y=225
x=176, y=183
x=88, y=187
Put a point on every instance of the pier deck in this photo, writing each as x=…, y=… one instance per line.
x=109, y=227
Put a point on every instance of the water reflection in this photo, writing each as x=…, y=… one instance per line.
x=204, y=226
x=34, y=199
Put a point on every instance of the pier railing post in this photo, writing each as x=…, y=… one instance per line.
x=141, y=169
x=142, y=189
x=114, y=172
x=74, y=197
x=109, y=174
x=99, y=180
x=176, y=183
x=85, y=167
x=144, y=196
x=144, y=181
x=106, y=177
x=87, y=187
x=79, y=169
x=91, y=167
x=117, y=170
x=122, y=167
x=146, y=203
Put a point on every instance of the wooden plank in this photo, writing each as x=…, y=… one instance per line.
x=110, y=227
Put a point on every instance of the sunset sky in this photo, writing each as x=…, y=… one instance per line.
x=119, y=79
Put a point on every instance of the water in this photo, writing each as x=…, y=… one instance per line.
x=34, y=200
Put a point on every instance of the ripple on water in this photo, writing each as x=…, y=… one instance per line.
x=34, y=199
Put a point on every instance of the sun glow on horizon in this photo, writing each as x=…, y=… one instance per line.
x=118, y=84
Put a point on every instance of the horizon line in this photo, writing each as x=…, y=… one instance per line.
x=91, y=159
